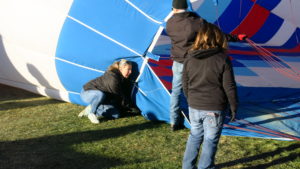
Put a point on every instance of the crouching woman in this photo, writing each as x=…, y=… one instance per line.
x=108, y=94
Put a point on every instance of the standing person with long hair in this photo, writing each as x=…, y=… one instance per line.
x=107, y=92
x=209, y=86
x=182, y=29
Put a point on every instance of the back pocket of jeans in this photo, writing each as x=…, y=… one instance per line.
x=214, y=119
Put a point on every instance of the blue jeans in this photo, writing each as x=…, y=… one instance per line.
x=206, y=127
x=94, y=98
x=107, y=110
x=176, y=91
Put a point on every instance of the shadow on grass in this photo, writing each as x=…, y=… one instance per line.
x=281, y=160
x=56, y=151
x=12, y=93
x=23, y=104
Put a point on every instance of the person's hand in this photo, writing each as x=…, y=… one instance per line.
x=242, y=37
x=232, y=116
x=237, y=37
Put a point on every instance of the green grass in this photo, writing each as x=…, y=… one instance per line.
x=41, y=133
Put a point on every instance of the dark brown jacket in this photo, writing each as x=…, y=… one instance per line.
x=208, y=80
x=182, y=28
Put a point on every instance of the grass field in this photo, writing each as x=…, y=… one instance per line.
x=41, y=133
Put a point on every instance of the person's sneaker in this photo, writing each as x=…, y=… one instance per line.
x=93, y=118
x=85, y=111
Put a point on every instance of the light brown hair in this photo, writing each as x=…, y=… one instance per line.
x=209, y=36
x=117, y=64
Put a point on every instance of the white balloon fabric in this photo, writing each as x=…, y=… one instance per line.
x=53, y=47
x=29, y=32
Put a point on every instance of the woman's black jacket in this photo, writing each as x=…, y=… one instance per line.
x=116, y=88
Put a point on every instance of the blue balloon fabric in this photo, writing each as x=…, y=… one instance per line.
x=97, y=33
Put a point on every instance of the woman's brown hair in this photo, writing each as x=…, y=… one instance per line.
x=209, y=36
x=117, y=64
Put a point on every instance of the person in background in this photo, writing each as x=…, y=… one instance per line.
x=209, y=86
x=182, y=29
x=109, y=94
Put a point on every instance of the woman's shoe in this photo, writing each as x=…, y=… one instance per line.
x=85, y=111
x=93, y=118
